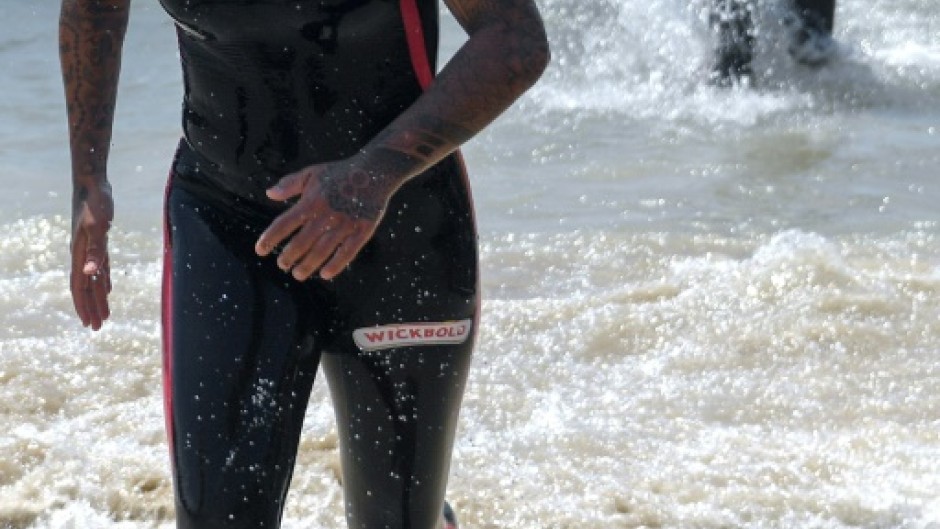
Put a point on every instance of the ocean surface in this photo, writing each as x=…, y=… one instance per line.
x=703, y=308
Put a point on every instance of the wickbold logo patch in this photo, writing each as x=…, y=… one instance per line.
x=412, y=334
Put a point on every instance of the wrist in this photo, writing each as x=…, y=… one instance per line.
x=385, y=167
x=90, y=180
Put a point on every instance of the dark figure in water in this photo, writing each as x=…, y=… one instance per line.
x=809, y=24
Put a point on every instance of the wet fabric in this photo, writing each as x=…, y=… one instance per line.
x=271, y=87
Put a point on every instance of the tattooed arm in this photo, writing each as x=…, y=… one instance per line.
x=91, y=35
x=341, y=203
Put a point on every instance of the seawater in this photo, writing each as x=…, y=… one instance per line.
x=702, y=308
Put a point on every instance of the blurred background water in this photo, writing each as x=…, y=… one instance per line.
x=703, y=308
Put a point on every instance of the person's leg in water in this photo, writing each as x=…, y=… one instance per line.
x=244, y=340
x=398, y=371
x=811, y=24
x=239, y=362
x=733, y=25
x=396, y=416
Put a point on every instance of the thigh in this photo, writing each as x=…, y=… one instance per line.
x=240, y=366
x=398, y=362
x=396, y=413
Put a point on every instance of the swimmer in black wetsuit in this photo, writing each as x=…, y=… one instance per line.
x=317, y=214
x=809, y=22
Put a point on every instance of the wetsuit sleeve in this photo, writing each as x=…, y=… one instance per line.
x=91, y=35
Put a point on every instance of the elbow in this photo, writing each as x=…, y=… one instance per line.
x=537, y=55
x=541, y=56
x=520, y=48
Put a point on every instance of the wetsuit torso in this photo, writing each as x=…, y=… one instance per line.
x=272, y=86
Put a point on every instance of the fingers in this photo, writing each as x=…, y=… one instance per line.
x=345, y=253
x=331, y=254
x=90, y=296
x=313, y=245
x=289, y=186
x=317, y=233
x=312, y=235
x=283, y=226
x=90, y=280
x=319, y=252
x=328, y=245
x=304, y=211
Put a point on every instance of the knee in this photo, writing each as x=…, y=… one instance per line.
x=224, y=516
x=220, y=502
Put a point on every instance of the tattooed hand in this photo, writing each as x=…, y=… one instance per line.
x=337, y=213
x=90, y=278
x=91, y=36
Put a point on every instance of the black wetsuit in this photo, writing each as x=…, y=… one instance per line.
x=272, y=86
x=733, y=21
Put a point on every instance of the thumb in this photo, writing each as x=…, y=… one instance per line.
x=94, y=258
x=289, y=186
x=91, y=267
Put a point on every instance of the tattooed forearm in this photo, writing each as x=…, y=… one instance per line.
x=506, y=53
x=91, y=35
x=360, y=191
x=405, y=148
x=425, y=135
x=419, y=139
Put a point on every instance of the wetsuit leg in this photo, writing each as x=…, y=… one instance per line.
x=241, y=363
x=819, y=14
x=811, y=25
x=732, y=22
x=244, y=349
x=411, y=299
x=396, y=413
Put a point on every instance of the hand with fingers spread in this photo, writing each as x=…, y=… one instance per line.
x=90, y=278
x=337, y=210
